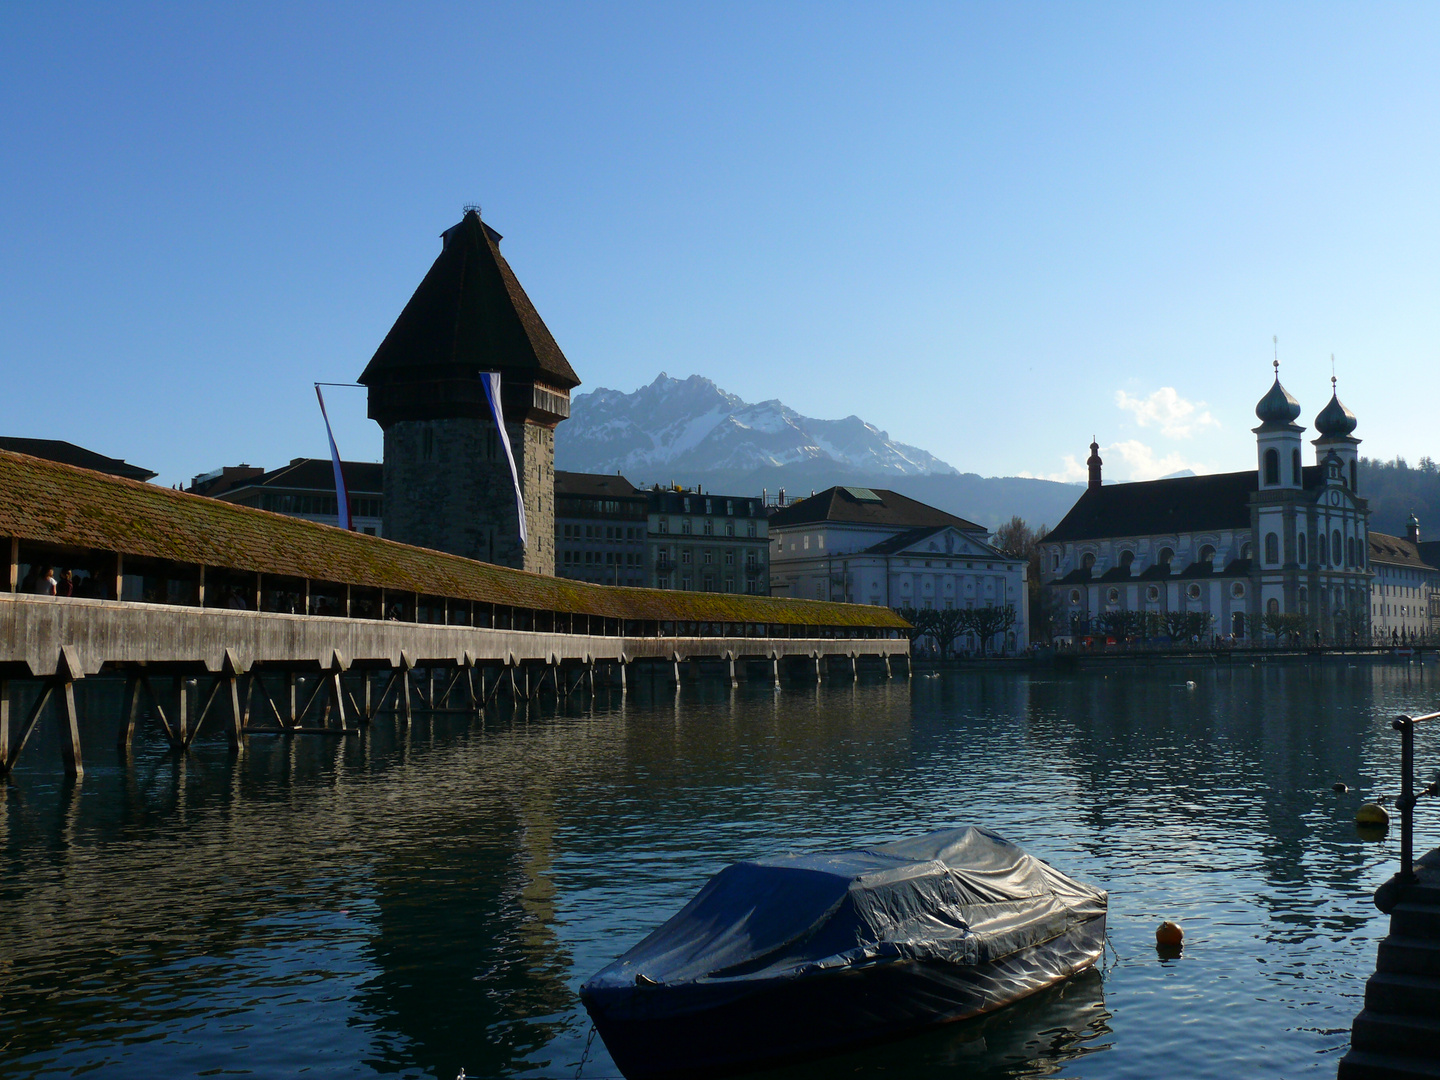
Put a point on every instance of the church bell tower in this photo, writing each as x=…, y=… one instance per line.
x=448, y=483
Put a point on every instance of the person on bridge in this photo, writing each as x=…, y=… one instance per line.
x=45, y=584
x=66, y=585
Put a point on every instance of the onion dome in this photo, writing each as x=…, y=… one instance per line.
x=1335, y=420
x=1277, y=407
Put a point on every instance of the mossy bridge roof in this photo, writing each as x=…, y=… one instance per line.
x=50, y=503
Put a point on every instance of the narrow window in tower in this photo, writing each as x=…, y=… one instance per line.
x=1300, y=540
x=1272, y=467
x=1272, y=548
x=1295, y=467
x=1335, y=549
x=1324, y=551
x=1354, y=478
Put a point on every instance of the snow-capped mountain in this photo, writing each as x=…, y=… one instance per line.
x=692, y=426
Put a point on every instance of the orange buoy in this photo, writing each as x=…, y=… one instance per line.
x=1169, y=935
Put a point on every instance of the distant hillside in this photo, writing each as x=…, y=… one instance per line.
x=1394, y=490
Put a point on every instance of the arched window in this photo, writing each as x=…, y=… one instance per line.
x=1272, y=467
x=1272, y=548
x=1350, y=551
x=1359, y=554
x=1300, y=542
x=1295, y=467
x=1272, y=606
x=1075, y=596
x=1126, y=558
x=1165, y=558
x=1245, y=550
x=1207, y=554
x=1087, y=561
x=1335, y=549
x=1324, y=556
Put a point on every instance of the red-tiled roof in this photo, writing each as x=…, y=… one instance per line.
x=875, y=506
x=1395, y=551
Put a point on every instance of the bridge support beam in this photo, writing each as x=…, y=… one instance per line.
x=68, y=671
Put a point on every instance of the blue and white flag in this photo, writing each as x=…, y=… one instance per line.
x=491, y=381
x=342, y=500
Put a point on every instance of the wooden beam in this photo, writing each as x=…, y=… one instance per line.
x=129, y=707
x=14, y=567
x=182, y=713
x=4, y=722
x=159, y=709
x=70, y=730
x=29, y=726
x=236, y=727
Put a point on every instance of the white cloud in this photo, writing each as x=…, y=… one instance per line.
x=1143, y=462
x=1166, y=409
x=1072, y=471
x=1140, y=460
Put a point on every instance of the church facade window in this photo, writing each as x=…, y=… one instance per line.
x=1272, y=549
x=1272, y=467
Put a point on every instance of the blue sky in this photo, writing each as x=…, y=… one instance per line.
x=992, y=230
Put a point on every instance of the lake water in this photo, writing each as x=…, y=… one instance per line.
x=411, y=903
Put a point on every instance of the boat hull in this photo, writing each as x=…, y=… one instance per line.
x=717, y=1028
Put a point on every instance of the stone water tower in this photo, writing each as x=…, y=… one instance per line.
x=447, y=480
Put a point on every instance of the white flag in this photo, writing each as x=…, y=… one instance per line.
x=491, y=379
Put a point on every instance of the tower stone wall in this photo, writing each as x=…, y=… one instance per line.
x=448, y=487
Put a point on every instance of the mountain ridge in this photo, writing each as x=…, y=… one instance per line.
x=691, y=431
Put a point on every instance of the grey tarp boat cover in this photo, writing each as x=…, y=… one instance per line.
x=962, y=896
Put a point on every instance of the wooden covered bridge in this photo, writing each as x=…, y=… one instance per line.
x=210, y=612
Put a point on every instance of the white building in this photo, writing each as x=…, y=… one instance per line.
x=1282, y=539
x=1404, y=589
x=865, y=546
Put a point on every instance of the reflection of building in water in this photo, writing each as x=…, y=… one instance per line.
x=466, y=957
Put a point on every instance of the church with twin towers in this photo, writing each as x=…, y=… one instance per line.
x=1284, y=538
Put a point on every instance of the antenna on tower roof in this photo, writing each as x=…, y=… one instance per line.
x=1275, y=340
x=1332, y=371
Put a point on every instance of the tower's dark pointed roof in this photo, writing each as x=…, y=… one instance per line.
x=1335, y=420
x=1277, y=408
x=470, y=312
